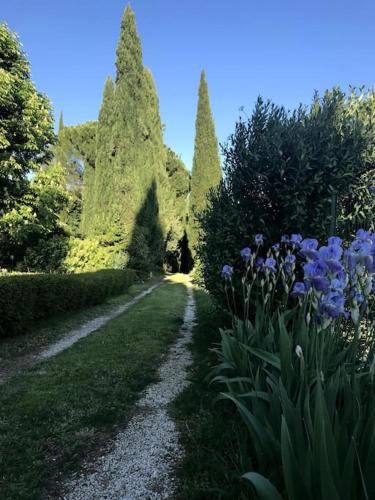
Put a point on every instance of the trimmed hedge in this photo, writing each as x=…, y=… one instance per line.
x=30, y=297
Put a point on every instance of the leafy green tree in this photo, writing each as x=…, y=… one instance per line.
x=34, y=219
x=26, y=125
x=206, y=172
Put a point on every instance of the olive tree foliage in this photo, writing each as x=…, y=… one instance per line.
x=283, y=171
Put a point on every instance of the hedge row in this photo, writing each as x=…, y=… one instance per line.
x=30, y=297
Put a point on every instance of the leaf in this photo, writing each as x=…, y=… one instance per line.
x=270, y=358
x=264, y=488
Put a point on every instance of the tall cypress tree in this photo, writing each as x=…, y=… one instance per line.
x=138, y=151
x=206, y=172
x=101, y=195
x=61, y=123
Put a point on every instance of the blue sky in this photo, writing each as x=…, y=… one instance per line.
x=281, y=49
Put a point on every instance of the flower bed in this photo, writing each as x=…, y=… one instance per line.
x=299, y=365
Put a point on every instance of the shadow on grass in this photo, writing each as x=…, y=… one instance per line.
x=210, y=431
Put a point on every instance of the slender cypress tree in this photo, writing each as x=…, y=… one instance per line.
x=206, y=172
x=138, y=149
x=101, y=195
x=61, y=123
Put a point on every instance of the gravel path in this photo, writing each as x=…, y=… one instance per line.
x=30, y=360
x=141, y=462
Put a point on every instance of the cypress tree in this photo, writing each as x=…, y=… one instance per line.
x=61, y=123
x=138, y=151
x=101, y=194
x=206, y=172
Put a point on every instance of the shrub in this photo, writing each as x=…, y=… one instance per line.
x=92, y=255
x=300, y=367
x=283, y=172
x=26, y=298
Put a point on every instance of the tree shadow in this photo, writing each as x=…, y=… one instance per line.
x=147, y=242
x=186, y=258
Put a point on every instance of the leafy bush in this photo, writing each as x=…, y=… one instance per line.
x=30, y=297
x=300, y=367
x=46, y=256
x=92, y=254
x=283, y=172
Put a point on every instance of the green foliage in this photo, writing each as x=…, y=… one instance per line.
x=306, y=414
x=178, y=257
x=26, y=127
x=281, y=171
x=47, y=255
x=206, y=172
x=135, y=190
x=76, y=152
x=92, y=254
x=98, y=187
x=30, y=297
x=34, y=218
x=302, y=381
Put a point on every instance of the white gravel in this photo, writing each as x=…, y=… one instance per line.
x=142, y=459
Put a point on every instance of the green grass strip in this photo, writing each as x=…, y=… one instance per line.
x=210, y=433
x=68, y=406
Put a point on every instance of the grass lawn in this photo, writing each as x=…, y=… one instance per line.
x=50, y=330
x=67, y=407
x=210, y=434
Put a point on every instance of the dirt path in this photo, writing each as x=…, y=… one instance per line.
x=28, y=361
x=142, y=458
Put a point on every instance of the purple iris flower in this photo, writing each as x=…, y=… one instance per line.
x=259, y=239
x=259, y=262
x=331, y=252
x=299, y=289
x=335, y=240
x=284, y=238
x=363, y=235
x=246, y=254
x=289, y=263
x=295, y=240
x=361, y=251
x=312, y=269
x=331, y=255
x=316, y=275
x=372, y=189
x=308, y=248
x=332, y=304
x=338, y=284
x=227, y=272
x=270, y=264
x=276, y=247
